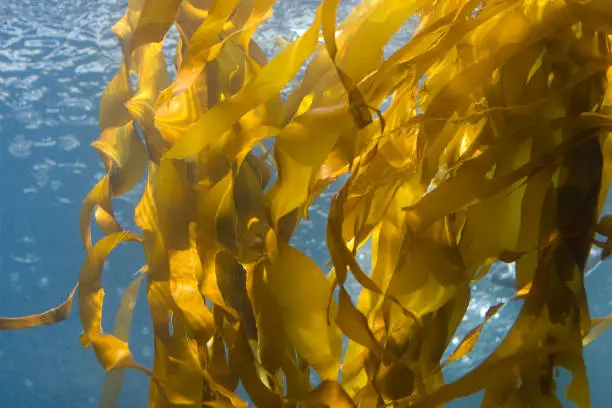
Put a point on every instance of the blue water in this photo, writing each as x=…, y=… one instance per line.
x=56, y=57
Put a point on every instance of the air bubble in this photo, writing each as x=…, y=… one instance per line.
x=76, y=111
x=43, y=282
x=68, y=142
x=20, y=147
x=26, y=259
x=40, y=172
x=42, y=43
x=45, y=142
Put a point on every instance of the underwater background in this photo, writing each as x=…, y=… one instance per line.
x=56, y=57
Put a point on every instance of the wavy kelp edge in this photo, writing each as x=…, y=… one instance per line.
x=498, y=121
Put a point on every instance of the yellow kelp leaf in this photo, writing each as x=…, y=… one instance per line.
x=219, y=365
x=125, y=26
x=231, y=278
x=330, y=394
x=125, y=159
x=300, y=150
x=241, y=353
x=302, y=294
x=362, y=50
x=469, y=341
x=152, y=79
x=181, y=381
x=251, y=212
x=154, y=21
x=455, y=193
x=113, y=380
x=355, y=326
x=185, y=355
x=201, y=42
x=297, y=376
x=145, y=213
x=271, y=338
x=113, y=112
x=215, y=39
x=482, y=376
x=190, y=16
x=99, y=195
x=121, y=147
x=356, y=101
x=209, y=201
x=426, y=276
x=106, y=222
x=185, y=269
x=54, y=315
x=231, y=399
x=176, y=112
x=386, y=242
x=598, y=327
x=225, y=220
x=270, y=80
x=344, y=259
x=91, y=294
x=113, y=353
x=175, y=203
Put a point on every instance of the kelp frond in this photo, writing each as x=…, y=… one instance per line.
x=494, y=145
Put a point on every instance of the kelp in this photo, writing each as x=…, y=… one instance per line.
x=495, y=146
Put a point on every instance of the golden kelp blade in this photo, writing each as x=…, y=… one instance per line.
x=123, y=323
x=54, y=315
x=302, y=293
x=268, y=82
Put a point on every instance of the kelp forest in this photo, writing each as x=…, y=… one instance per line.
x=485, y=138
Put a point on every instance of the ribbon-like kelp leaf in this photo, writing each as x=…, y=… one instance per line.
x=302, y=294
x=481, y=376
x=300, y=150
x=154, y=21
x=125, y=158
x=331, y=394
x=152, y=79
x=113, y=381
x=274, y=350
x=270, y=80
x=466, y=345
x=51, y=316
x=598, y=326
x=91, y=292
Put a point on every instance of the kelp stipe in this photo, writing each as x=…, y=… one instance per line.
x=495, y=147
